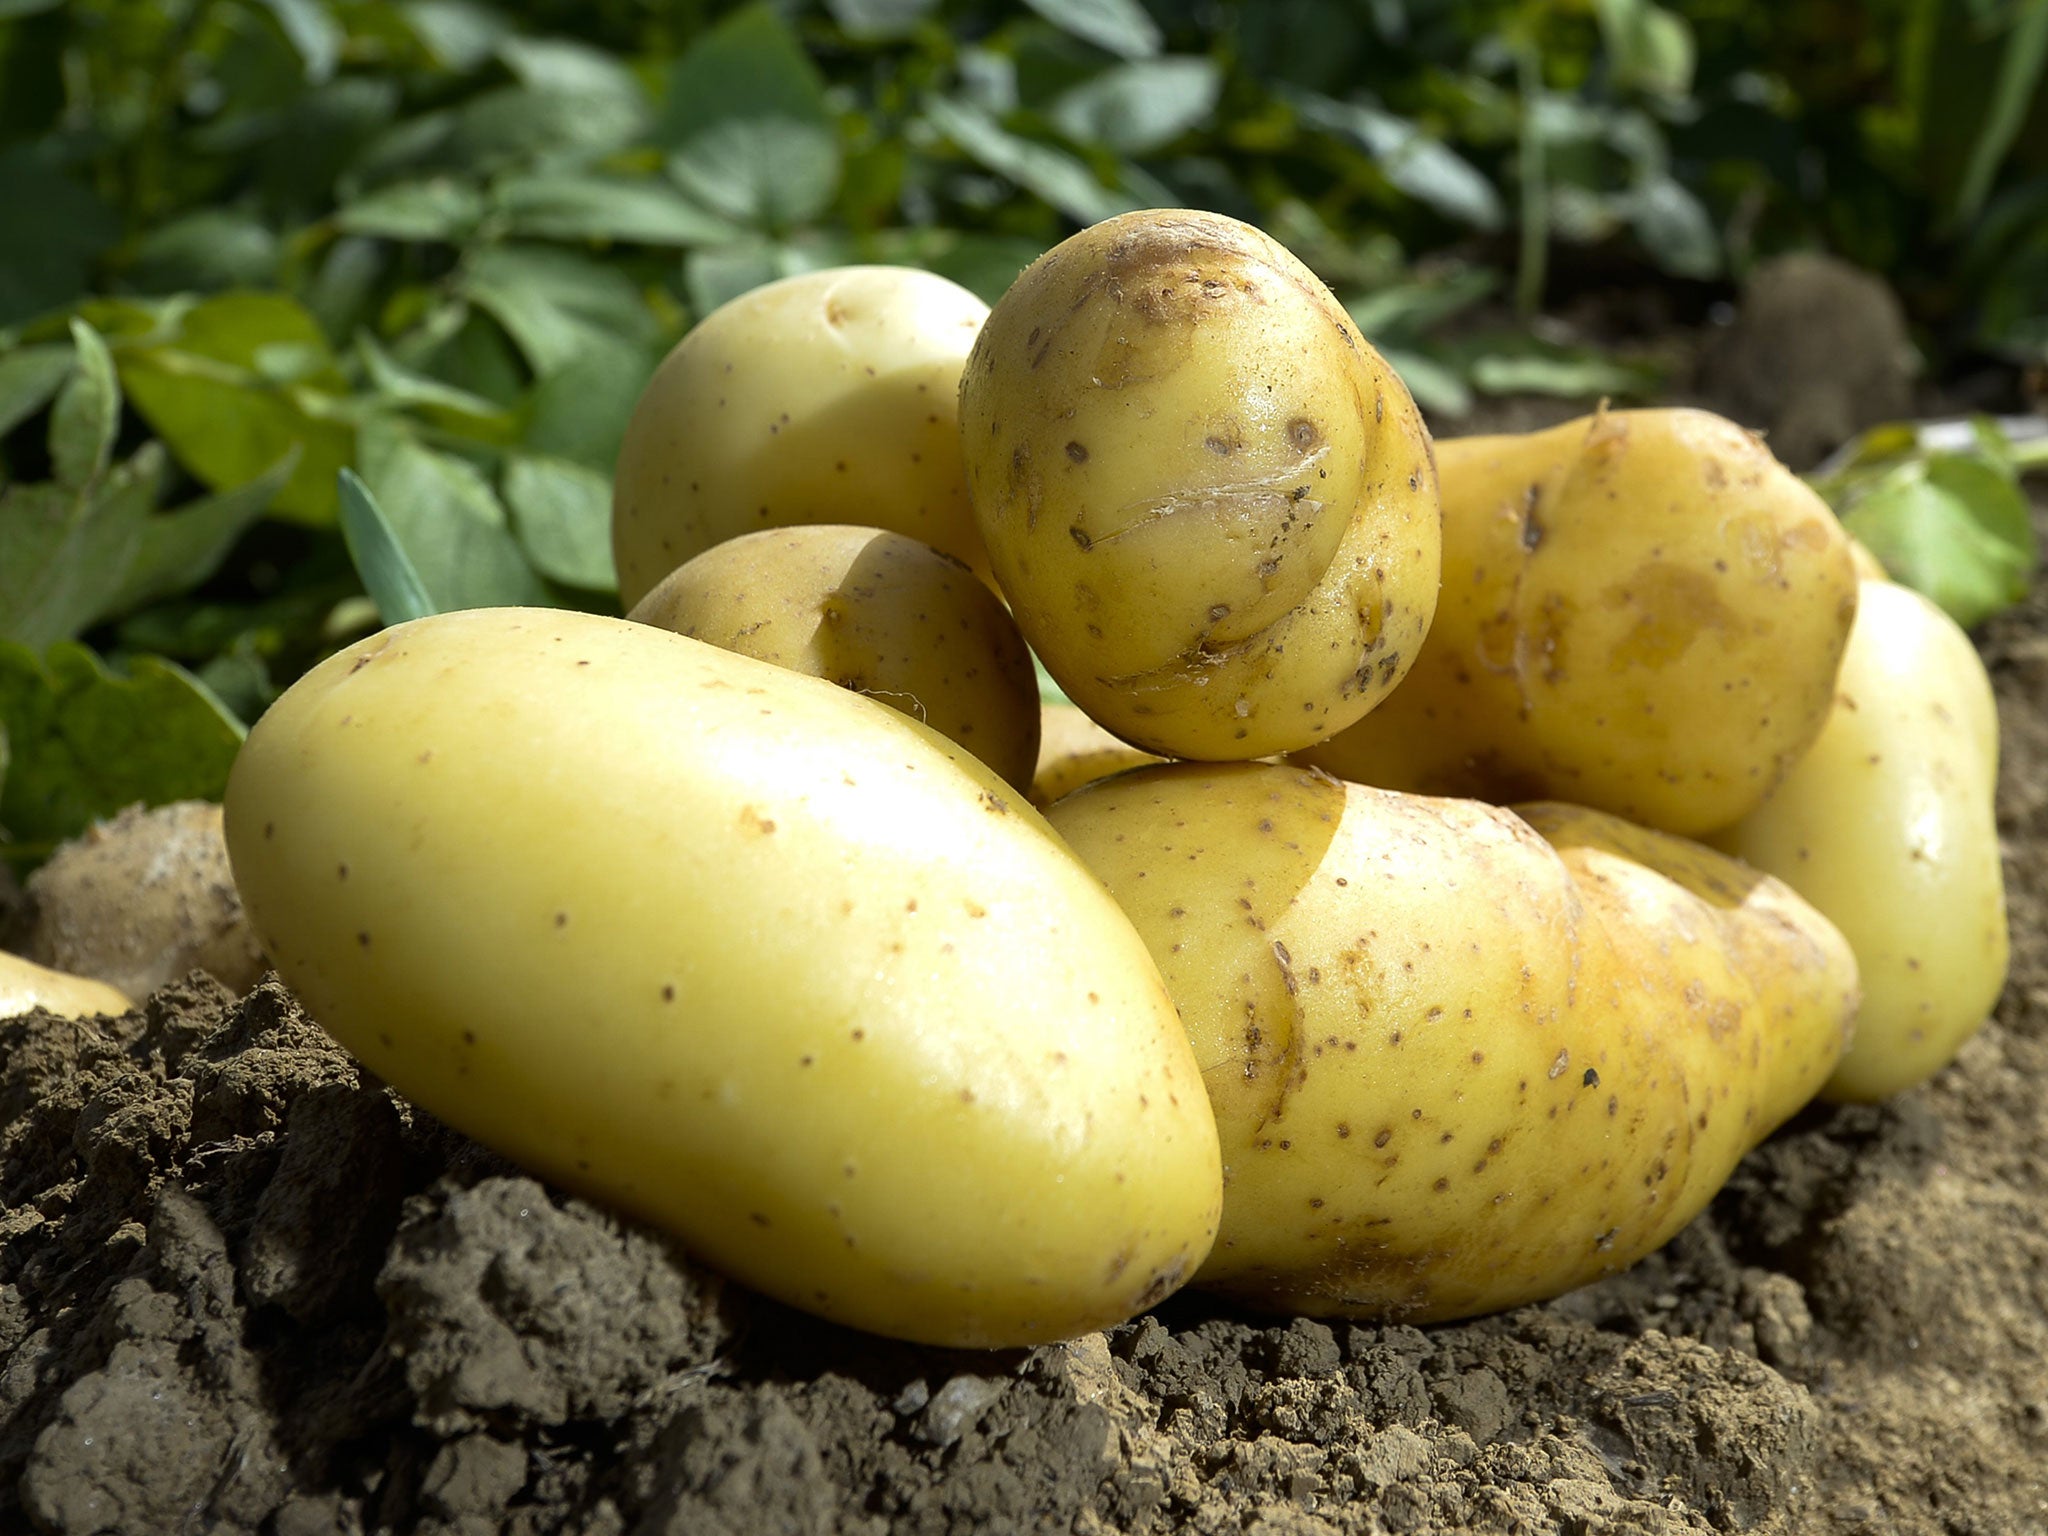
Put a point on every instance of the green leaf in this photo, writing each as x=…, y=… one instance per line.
x=388, y=576
x=1571, y=376
x=179, y=550
x=580, y=411
x=747, y=126
x=29, y=379
x=449, y=522
x=11, y=10
x=1052, y=174
x=1435, y=386
x=2021, y=63
x=1121, y=27
x=87, y=414
x=208, y=250
x=556, y=305
x=585, y=206
x=438, y=209
x=519, y=123
x=86, y=740
x=1425, y=168
x=560, y=65
x=313, y=32
x=46, y=258
x=876, y=20
x=1942, y=526
x=462, y=35
x=1649, y=48
x=1674, y=228
x=205, y=392
x=1135, y=109
x=62, y=550
x=562, y=513
x=438, y=401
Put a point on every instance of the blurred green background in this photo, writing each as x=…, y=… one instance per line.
x=247, y=243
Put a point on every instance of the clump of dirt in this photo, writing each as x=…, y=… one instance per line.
x=246, y=1288
x=1818, y=351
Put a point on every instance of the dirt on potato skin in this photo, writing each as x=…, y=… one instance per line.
x=245, y=1288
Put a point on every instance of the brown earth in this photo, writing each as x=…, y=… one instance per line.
x=246, y=1288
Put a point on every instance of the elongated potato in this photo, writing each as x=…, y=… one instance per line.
x=830, y=397
x=1456, y=1067
x=1643, y=611
x=24, y=985
x=1888, y=826
x=872, y=611
x=1211, y=504
x=738, y=951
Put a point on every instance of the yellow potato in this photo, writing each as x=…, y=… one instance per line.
x=1456, y=1067
x=1888, y=826
x=874, y=612
x=1643, y=611
x=741, y=953
x=1073, y=750
x=24, y=986
x=831, y=397
x=1210, y=503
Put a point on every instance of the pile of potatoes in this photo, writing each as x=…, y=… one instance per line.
x=1364, y=962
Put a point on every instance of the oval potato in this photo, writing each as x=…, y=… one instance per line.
x=876, y=613
x=829, y=397
x=1888, y=826
x=738, y=951
x=1457, y=1067
x=1643, y=611
x=1210, y=503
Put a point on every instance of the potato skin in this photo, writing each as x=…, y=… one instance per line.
x=1643, y=612
x=738, y=952
x=24, y=986
x=1888, y=825
x=1456, y=1067
x=830, y=397
x=1210, y=503
x=876, y=613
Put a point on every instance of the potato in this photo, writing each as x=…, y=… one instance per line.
x=1888, y=826
x=738, y=952
x=1073, y=750
x=1210, y=502
x=1456, y=1067
x=831, y=397
x=874, y=612
x=1643, y=611
x=141, y=899
x=24, y=986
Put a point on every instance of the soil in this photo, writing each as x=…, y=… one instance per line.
x=244, y=1287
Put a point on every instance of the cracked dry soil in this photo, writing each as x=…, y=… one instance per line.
x=246, y=1288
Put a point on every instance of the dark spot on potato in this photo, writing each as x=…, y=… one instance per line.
x=668, y=993
x=363, y=939
x=757, y=1218
x=341, y=871
x=1077, y=452
x=1591, y=1079
x=561, y=919
x=1383, y=1138
x=269, y=830
x=1081, y=539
